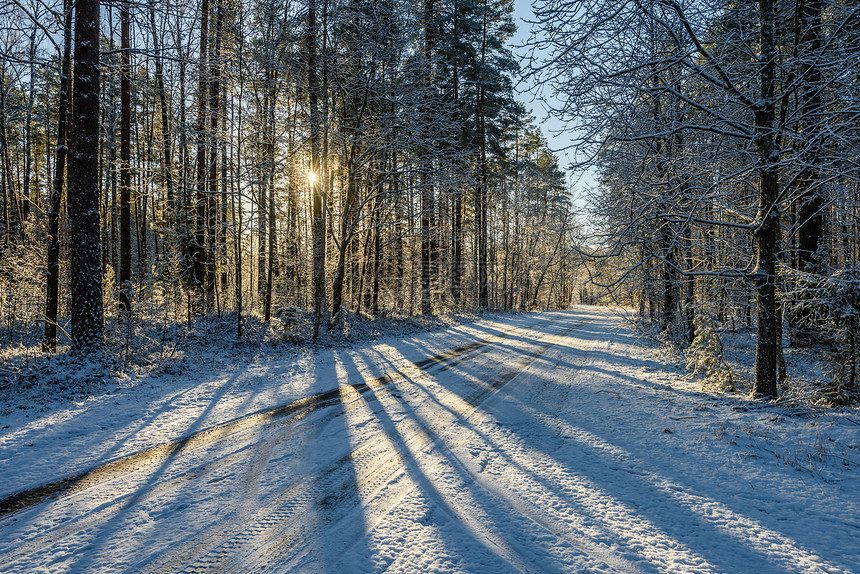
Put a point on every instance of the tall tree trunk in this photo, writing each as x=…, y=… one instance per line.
x=767, y=219
x=28, y=134
x=269, y=171
x=809, y=208
x=483, y=180
x=224, y=194
x=670, y=283
x=167, y=146
x=347, y=229
x=52, y=282
x=809, y=213
x=199, y=244
x=236, y=198
x=272, y=270
x=11, y=216
x=689, y=286
x=427, y=192
x=86, y=269
x=457, y=208
x=124, y=283
x=377, y=243
x=399, y=216
x=315, y=177
x=183, y=191
x=262, y=234
x=214, y=111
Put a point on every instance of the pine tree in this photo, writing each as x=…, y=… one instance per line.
x=86, y=262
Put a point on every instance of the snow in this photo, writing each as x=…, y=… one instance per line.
x=541, y=442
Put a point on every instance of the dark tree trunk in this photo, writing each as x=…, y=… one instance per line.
x=11, y=214
x=809, y=213
x=167, y=146
x=52, y=286
x=86, y=270
x=689, y=286
x=766, y=232
x=399, y=216
x=377, y=243
x=316, y=177
x=199, y=244
x=810, y=219
x=28, y=134
x=427, y=191
x=347, y=229
x=457, y=207
x=124, y=283
x=670, y=283
x=269, y=176
x=481, y=192
x=214, y=111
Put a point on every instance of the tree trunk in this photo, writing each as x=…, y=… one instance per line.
x=11, y=219
x=86, y=269
x=124, y=282
x=457, y=207
x=427, y=192
x=767, y=219
x=670, y=283
x=269, y=135
x=28, y=134
x=52, y=285
x=315, y=177
x=809, y=206
x=167, y=150
x=214, y=110
x=809, y=213
x=199, y=244
x=483, y=181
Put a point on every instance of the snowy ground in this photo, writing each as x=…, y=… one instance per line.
x=551, y=442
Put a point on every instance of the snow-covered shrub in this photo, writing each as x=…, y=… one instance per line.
x=704, y=356
x=830, y=304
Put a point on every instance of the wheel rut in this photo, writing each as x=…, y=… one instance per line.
x=381, y=461
x=245, y=539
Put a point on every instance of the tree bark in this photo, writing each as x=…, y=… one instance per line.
x=199, y=244
x=767, y=219
x=52, y=284
x=316, y=177
x=167, y=147
x=427, y=192
x=483, y=179
x=809, y=202
x=28, y=134
x=86, y=270
x=214, y=110
x=124, y=282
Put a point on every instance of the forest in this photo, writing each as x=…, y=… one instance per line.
x=725, y=135
x=306, y=165
x=304, y=161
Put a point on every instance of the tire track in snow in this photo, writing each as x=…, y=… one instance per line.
x=104, y=512
x=288, y=414
x=463, y=482
x=293, y=411
x=433, y=446
x=380, y=463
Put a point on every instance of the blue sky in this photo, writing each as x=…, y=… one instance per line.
x=553, y=129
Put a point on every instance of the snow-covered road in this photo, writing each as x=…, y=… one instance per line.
x=540, y=443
